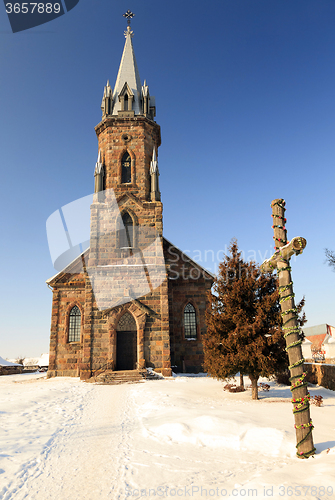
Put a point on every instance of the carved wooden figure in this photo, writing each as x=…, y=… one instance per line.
x=281, y=262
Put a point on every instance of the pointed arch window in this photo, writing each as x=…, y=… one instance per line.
x=126, y=168
x=126, y=323
x=190, y=322
x=74, y=324
x=127, y=234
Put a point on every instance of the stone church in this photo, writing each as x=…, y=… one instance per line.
x=158, y=325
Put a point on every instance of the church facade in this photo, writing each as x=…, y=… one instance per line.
x=162, y=327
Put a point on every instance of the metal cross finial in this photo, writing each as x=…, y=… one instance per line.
x=128, y=15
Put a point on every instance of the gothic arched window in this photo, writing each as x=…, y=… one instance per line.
x=126, y=323
x=74, y=324
x=190, y=322
x=127, y=234
x=126, y=168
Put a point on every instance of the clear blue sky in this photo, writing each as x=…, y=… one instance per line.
x=246, y=102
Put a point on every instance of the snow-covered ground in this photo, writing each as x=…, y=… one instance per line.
x=184, y=437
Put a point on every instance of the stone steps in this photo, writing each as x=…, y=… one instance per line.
x=110, y=377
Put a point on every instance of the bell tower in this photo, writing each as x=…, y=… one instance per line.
x=126, y=264
x=126, y=214
x=128, y=135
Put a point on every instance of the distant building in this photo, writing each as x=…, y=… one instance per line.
x=43, y=362
x=319, y=344
x=30, y=363
x=9, y=368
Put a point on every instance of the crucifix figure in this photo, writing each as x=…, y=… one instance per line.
x=280, y=261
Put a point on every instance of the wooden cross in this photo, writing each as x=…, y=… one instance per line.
x=280, y=261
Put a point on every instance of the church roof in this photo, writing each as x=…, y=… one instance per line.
x=185, y=258
x=5, y=362
x=128, y=73
x=317, y=341
x=319, y=330
x=44, y=359
x=76, y=266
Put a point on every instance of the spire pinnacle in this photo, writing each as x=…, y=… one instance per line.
x=153, y=163
x=98, y=175
x=154, y=173
x=98, y=165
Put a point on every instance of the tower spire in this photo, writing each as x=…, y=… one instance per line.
x=127, y=90
x=129, y=98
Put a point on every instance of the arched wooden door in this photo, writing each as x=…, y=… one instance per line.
x=126, y=343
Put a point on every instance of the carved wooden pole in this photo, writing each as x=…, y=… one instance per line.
x=281, y=261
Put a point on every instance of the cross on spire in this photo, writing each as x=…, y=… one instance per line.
x=128, y=15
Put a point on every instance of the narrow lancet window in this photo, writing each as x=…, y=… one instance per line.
x=127, y=234
x=190, y=322
x=74, y=324
x=126, y=168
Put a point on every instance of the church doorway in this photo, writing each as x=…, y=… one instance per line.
x=126, y=351
x=126, y=343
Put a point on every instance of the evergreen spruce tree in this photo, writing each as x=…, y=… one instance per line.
x=244, y=322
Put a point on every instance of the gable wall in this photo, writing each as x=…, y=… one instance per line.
x=161, y=335
x=97, y=351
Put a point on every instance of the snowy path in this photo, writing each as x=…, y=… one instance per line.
x=62, y=439
x=86, y=455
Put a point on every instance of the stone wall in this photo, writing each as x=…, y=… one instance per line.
x=10, y=370
x=64, y=356
x=159, y=316
x=136, y=135
x=153, y=341
x=97, y=347
x=188, y=283
x=321, y=374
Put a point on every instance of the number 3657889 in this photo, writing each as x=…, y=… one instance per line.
x=30, y=8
